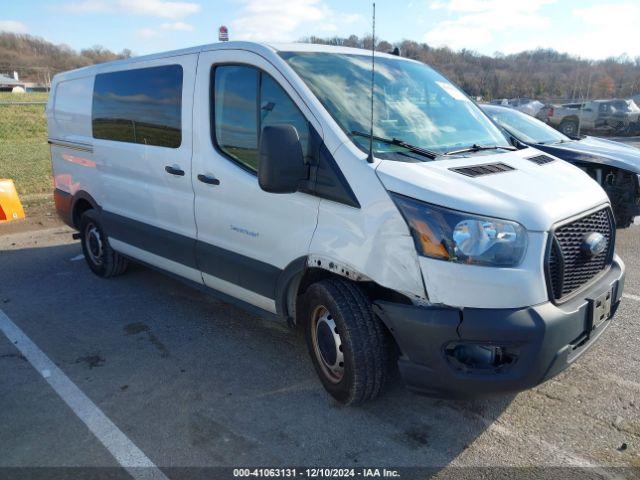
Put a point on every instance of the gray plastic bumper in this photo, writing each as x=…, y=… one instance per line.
x=541, y=340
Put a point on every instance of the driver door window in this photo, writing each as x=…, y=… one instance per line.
x=245, y=100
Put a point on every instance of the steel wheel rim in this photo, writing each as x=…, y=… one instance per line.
x=93, y=243
x=327, y=344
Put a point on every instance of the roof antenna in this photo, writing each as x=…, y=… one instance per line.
x=373, y=76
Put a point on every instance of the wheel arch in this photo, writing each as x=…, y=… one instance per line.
x=82, y=202
x=571, y=118
x=304, y=271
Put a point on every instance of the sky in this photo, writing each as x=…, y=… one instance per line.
x=592, y=29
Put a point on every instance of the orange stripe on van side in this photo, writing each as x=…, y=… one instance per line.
x=85, y=162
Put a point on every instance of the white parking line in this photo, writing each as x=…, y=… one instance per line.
x=631, y=297
x=77, y=257
x=126, y=453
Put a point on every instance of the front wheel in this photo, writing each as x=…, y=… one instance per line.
x=349, y=346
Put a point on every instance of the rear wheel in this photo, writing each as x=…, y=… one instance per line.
x=348, y=344
x=569, y=127
x=101, y=258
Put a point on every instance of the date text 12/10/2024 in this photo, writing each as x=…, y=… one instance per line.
x=316, y=472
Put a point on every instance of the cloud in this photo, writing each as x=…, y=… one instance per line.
x=160, y=8
x=156, y=8
x=147, y=33
x=478, y=21
x=615, y=15
x=12, y=26
x=610, y=30
x=607, y=30
x=178, y=26
x=87, y=6
x=287, y=20
x=349, y=18
x=477, y=6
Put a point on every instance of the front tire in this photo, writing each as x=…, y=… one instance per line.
x=349, y=346
x=103, y=260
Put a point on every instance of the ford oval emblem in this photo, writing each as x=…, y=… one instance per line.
x=593, y=244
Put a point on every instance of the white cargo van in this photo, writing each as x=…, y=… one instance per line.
x=244, y=168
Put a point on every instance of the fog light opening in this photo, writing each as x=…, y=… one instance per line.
x=469, y=356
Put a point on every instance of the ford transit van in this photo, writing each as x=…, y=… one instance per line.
x=433, y=247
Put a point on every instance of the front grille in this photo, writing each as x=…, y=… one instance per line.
x=568, y=267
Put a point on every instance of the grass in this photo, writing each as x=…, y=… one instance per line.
x=24, y=152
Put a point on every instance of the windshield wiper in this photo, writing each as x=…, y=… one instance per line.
x=400, y=143
x=478, y=148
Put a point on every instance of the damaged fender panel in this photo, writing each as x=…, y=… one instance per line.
x=372, y=242
x=339, y=268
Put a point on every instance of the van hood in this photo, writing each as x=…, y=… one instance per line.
x=536, y=196
x=597, y=150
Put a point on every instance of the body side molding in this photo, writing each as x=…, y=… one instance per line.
x=246, y=272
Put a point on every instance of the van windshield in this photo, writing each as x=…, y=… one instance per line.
x=412, y=103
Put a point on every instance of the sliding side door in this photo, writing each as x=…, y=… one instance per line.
x=142, y=130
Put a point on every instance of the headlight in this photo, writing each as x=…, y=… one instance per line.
x=462, y=237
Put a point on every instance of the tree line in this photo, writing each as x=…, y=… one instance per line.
x=36, y=59
x=543, y=74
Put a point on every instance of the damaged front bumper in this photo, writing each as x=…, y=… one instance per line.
x=471, y=352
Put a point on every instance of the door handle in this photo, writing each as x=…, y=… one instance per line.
x=174, y=171
x=208, y=179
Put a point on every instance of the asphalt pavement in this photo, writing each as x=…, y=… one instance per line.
x=189, y=381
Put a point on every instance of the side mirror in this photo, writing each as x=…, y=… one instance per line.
x=281, y=164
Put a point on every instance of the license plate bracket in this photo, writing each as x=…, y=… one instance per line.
x=601, y=308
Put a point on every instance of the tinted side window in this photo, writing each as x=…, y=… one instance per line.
x=238, y=91
x=236, y=117
x=139, y=106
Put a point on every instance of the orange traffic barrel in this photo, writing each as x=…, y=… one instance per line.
x=10, y=206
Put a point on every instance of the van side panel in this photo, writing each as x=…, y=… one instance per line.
x=69, y=125
x=134, y=181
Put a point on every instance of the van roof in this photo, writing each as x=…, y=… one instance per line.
x=256, y=47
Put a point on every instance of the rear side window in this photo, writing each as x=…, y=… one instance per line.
x=246, y=100
x=139, y=106
x=72, y=106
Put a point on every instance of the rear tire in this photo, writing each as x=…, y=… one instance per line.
x=103, y=260
x=569, y=128
x=349, y=346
